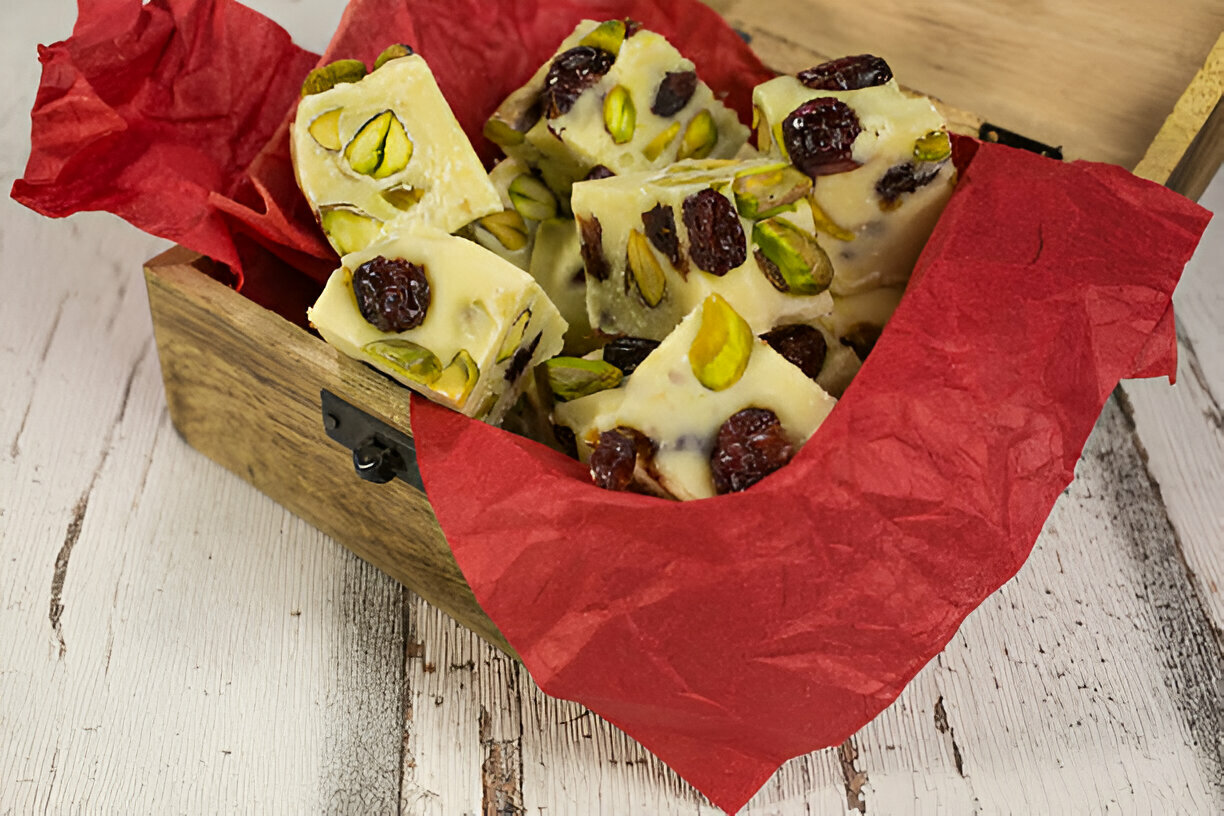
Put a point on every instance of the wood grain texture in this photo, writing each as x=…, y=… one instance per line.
x=1189, y=148
x=1097, y=77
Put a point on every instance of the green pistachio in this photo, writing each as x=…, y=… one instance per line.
x=799, y=265
x=574, y=377
x=326, y=77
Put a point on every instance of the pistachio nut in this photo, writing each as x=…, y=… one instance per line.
x=760, y=129
x=645, y=270
x=406, y=358
x=608, y=36
x=934, y=146
x=326, y=77
x=393, y=52
x=380, y=147
x=574, y=377
x=620, y=117
x=458, y=378
x=349, y=229
x=514, y=336
x=326, y=129
x=699, y=137
x=655, y=147
x=801, y=264
x=507, y=227
x=403, y=197
x=823, y=223
x=719, y=353
x=500, y=133
x=532, y=198
x=764, y=192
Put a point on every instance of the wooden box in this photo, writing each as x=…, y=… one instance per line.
x=244, y=384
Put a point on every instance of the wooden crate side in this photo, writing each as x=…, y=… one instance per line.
x=1189, y=148
x=242, y=385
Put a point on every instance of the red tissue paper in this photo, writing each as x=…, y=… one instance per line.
x=729, y=634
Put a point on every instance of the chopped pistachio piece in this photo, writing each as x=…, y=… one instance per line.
x=608, y=35
x=719, y=353
x=620, y=116
x=326, y=77
x=326, y=129
x=403, y=198
x=458, y=378
x=655, y=147
x=514, y=337
x=410, y=359
x=380, y=148
x=532, y=198
x=507, y=227
x=699, y=137
x=347, y=229
x=803, y=264
x=574, y=377
x=825, y=224
x=646, y=271
x=768, y=191
x=392, y=52
x=934, y=146
x=500, y=133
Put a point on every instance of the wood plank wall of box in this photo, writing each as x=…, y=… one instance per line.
x=173, y=640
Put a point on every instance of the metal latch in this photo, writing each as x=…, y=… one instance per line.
x=993, y=133
x=380, y=452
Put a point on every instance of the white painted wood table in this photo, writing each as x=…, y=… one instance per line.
x=171, y=641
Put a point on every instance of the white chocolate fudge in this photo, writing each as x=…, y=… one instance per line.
x=377, y=155
x=879, y=159
x=556, y=264
x=657, y=244
x=679, y=399
x=614, y=96
x=444, y=317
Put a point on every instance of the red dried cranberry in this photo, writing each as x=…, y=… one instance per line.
x=627, y=353
x=819, y=135
x=614, y=459
x=392, y=294
x=566, y=439
x=750, y=445
x=803, y=345
x=847, y=74
x=904, y=178
x=674, y=92
x=660, y=225
x=571, y=73
x=598, y=172
x=716, y=237
x=592, y=248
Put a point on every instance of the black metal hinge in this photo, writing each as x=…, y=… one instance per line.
x=993, y=133
x=380, y=452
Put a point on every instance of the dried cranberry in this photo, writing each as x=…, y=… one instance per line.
x=803, y=345
x=750, y=445
x=660, y=225
x=614, y=459
x=847, y=74
x=627, y=353
x=571, y=73
x=592, y=248
x=518, y=363
x=392, y=294
x=819, y=135
x=674, y=92
x=904, y=178
x=862, y=337
x=716, y=237
x=598, y=172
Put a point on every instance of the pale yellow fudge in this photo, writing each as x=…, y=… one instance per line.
x=680, y=403
x=656, y=244
x=879, y=160
x=444, y=317
x=614, y=98
x=376, y=153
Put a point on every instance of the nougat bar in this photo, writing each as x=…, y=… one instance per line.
x=376, y=153
x=443, y=316
x=711, y=410
x=656, y=244
x=614, y=98
x=879, y=160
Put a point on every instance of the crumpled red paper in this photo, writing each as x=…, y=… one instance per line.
x=730, y=634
